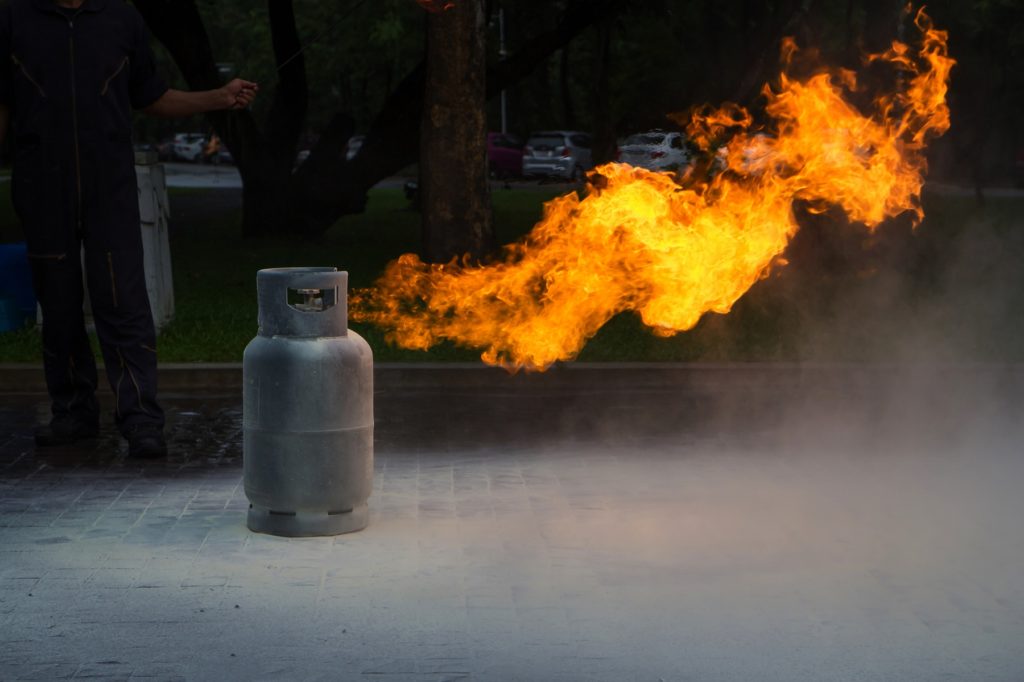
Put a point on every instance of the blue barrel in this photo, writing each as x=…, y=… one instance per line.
x=17, y=299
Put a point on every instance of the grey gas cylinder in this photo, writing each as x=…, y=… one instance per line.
x=307, y=415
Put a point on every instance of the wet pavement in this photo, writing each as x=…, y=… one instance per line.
x=617, y=523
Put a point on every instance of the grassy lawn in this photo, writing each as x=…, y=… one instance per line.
x=950, y=289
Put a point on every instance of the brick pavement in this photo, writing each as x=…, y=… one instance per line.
x=769, y=524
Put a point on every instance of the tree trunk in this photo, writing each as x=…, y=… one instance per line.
x=264, y=157
x=266, y=209
x=326, y=186
x=454, y=188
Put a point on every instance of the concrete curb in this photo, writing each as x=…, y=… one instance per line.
x=24, y=378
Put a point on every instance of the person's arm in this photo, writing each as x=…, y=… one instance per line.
x=238, y=94
x=149, y=92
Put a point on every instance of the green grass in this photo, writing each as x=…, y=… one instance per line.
x=215, y=272
x=846, y=296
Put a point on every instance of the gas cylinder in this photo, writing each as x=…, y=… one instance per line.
x=307, y=408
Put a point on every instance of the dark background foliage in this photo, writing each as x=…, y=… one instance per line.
x=660, y=57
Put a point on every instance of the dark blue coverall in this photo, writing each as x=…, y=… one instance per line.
x=71, y=78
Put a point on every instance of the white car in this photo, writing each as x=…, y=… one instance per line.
x=189, y=146
x=564, y=154
x=656, y=150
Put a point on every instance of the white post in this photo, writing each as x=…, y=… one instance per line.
x=154, y=211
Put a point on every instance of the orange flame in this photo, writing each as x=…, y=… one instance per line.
x=436, y=5
x=673, y=249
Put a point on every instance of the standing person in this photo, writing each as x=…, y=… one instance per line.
x=71, y=71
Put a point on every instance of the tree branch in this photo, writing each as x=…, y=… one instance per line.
x=179, y=27
x=580, y=15
x=392, y=142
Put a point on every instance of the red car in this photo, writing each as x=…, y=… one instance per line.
x=504, y=155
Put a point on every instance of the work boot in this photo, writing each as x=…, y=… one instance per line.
x=66, y=429
x=146, y=442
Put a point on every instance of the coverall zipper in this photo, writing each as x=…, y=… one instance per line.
x=27, y=75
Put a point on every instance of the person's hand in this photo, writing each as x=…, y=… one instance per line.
x=238, y=94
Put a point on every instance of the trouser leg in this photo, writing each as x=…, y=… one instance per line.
x=67, y=357
x=124, y=324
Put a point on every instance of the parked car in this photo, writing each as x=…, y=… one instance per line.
x=757, y=155
x=504, y=160
x=557, y=153
x=655, y=150
x=189, y=146
x=504, y=155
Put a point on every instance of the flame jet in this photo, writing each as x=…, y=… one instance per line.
x=673, y=249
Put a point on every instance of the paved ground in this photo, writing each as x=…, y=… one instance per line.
x=758, y=523
x=227, y=177
x=201, y=175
